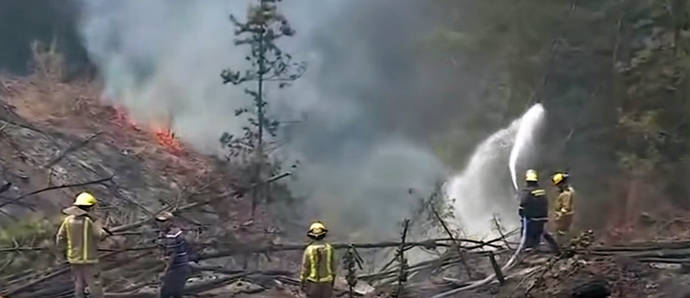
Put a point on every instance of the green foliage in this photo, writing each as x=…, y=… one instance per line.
x=352, y=262
x=613, y=76
x=653, y=113
x=28, y=229
x=23, y=22
x=28, y=232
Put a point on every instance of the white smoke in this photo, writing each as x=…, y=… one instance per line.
x=163, y=58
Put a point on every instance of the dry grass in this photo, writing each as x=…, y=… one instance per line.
x=46, y=61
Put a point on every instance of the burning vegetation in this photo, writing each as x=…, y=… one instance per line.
x=163, y=135
x=58, y=139
x=167, y=138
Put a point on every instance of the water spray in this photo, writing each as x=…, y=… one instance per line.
x=529, y=122
x=528, y=125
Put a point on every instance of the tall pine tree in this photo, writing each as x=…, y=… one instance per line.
x=260, y=31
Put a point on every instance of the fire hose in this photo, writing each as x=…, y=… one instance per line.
x=509, y=265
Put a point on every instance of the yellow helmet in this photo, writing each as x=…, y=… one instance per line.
x=531, y=176
x=316, y=229
x=558, y=178
x=85, y=199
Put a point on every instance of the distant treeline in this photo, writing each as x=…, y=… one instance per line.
x=23, y=21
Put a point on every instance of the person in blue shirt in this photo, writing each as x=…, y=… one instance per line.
x=175, y=255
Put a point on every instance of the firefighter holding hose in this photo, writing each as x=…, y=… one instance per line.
x=534, y=210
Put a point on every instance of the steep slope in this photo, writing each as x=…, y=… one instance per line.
x=55, y=134
x=65, y=136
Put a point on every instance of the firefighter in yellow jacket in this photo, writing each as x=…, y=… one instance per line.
x=564, y=206
x=318, y=264
x=78, y=236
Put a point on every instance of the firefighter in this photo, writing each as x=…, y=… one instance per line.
x=318, y=264
x=534, y=212
x=176, y=256
x=78, y=237
x=563, y=207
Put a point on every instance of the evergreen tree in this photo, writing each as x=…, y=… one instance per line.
x=260, y=31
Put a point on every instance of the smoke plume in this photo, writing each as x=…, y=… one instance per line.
x=361, y=119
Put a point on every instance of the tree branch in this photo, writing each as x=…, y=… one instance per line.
x=72, y=148
x=201, y=203
x=35, y=192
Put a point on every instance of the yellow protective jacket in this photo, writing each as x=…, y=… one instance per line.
x=79, y=236
x=564, y=202
x=318, y=263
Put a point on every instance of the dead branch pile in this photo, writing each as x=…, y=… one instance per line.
x=141, y=262
x=142, y=267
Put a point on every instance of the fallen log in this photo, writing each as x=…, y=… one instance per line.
x=645, y=247
x=220, y=269
x=20, y=249
x=55, y=273
x=662, y=253
x=200, y=203
x=37, y=278
x=442, y=242
x=648, y=244
x=665, y=260
x=243, y=249
x=411, y=269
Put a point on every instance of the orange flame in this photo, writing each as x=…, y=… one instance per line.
x=167, y=138
x=164, y=136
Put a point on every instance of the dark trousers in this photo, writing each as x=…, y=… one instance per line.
x=535, y=231
x=319, y=290
x=173, y=282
